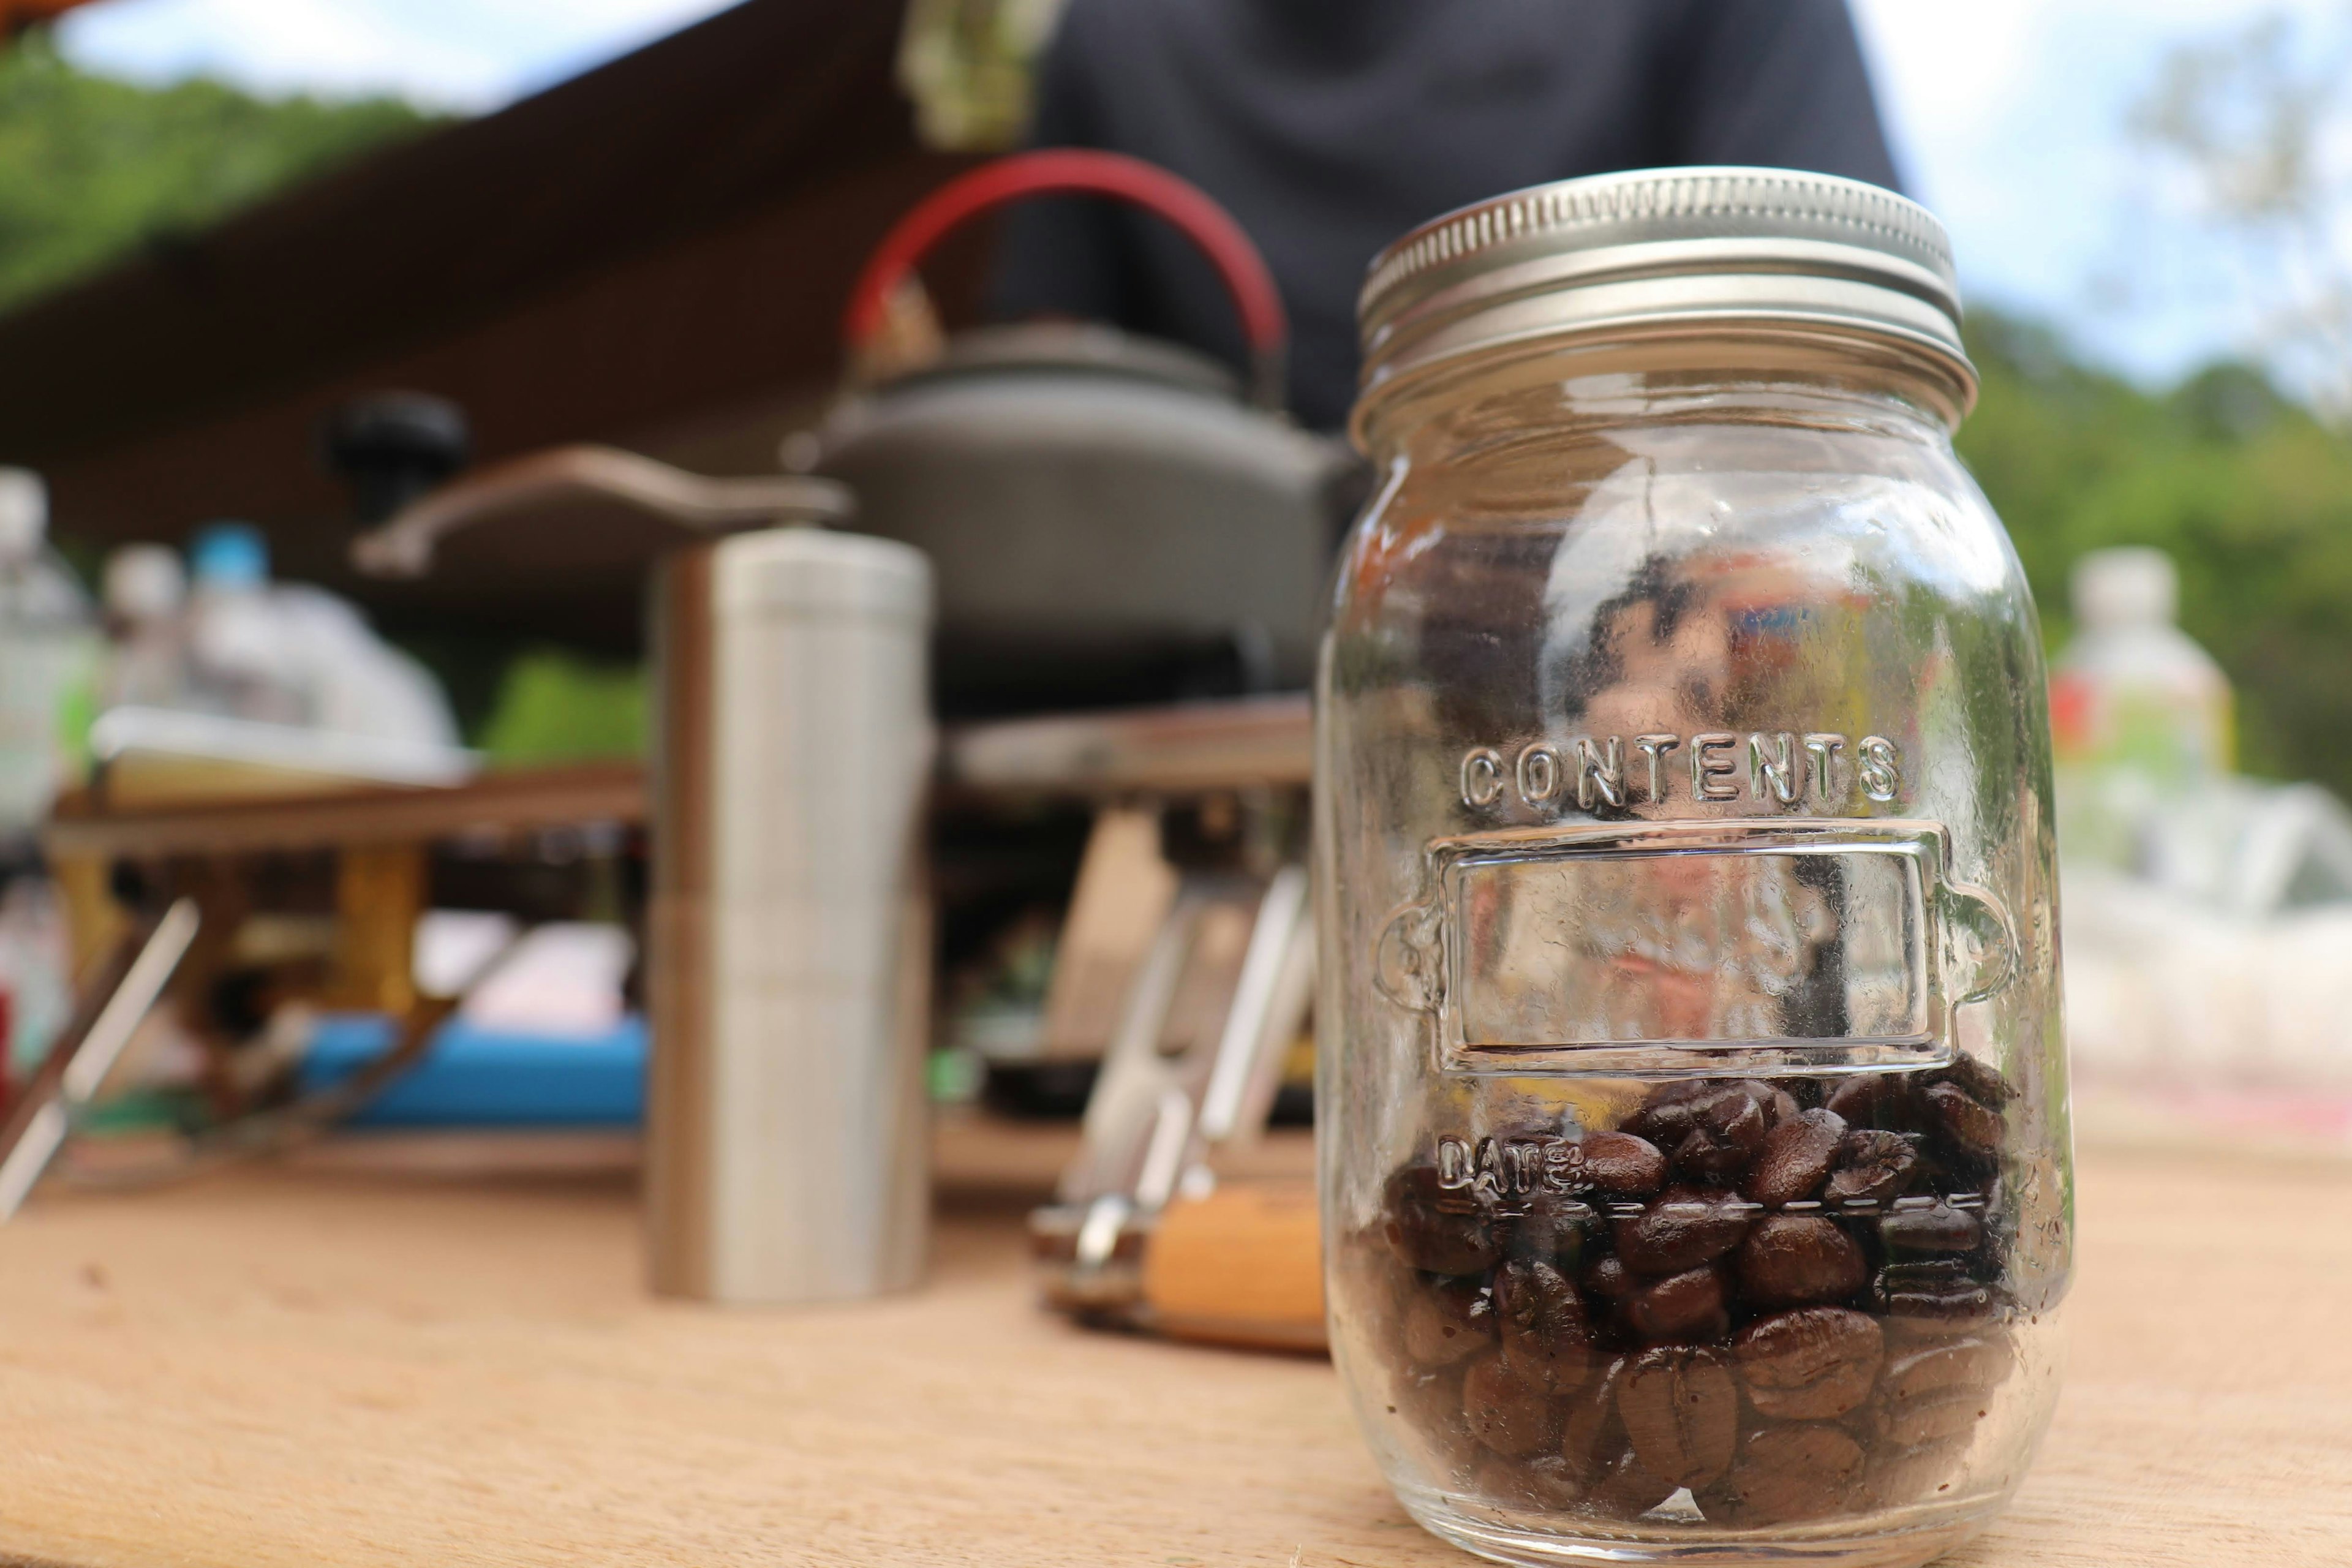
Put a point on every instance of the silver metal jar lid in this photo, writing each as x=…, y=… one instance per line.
x=1664, y=251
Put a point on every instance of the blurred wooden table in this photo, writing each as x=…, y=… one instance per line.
x=271, y=1368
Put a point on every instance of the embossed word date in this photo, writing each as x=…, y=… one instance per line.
x=1770, y=768
x=1492, y=1168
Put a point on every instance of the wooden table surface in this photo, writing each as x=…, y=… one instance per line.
x=318, y=1368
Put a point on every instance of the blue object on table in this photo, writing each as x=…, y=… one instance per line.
x=471, y=1076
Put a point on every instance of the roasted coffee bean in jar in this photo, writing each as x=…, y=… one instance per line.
x=1695, y=1160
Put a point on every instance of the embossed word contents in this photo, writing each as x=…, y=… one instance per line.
x=1783, y=768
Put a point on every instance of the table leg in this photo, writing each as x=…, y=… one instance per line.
x=379, y=894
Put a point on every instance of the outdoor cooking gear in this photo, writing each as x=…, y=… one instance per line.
x=1096, y=505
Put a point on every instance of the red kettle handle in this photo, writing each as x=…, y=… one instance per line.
x=1053, y=171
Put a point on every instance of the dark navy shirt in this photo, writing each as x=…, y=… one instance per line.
x=1329, y=127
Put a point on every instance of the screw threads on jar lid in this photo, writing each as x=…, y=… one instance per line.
x=1670, y=250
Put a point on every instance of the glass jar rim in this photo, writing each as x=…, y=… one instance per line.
x=1939, y=389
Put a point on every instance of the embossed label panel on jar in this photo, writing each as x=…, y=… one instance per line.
x=1783, y=946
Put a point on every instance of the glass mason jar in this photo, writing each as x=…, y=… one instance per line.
x=1697, y=1174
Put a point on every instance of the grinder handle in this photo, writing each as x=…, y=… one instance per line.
x=696, y=503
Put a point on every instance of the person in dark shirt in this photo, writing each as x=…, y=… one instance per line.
x=1330, y=127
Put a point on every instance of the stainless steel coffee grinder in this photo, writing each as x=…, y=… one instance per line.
x=789, y=957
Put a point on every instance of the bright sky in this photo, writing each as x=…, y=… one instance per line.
x=2007, y=113
x=2008, y=120
x=452, y=54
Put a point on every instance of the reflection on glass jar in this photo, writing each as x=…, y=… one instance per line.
x=1696, y=1170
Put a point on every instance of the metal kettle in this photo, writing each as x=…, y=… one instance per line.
x=1093, y=502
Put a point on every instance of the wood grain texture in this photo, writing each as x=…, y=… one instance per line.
x=275, y=1369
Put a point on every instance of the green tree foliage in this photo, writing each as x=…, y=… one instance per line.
x=91, y=168
x=2250, y=494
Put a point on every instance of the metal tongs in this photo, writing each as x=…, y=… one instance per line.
x=1161, y=1109
x=110, y=1011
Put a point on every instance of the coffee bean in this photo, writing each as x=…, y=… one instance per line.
x=1542, y=1482
x=1681, y=1410
x=1426, y=1405
x=1968, y=1124
x=1776, y=1103
x=1896, y=1476
x=1938, y=1392
x=1545, y=1338
x=1608, y=1280
x=1687, y=1307
x=1436, y=1230
x=1670, y=1112
x=1936, y=1295
x=1505, y=1411
x=1872, y=1167
x=1728, y=1130
x=1447, y=1320
x=1744, y=1104
x=1939, y=1229
x=1543, y=1361
x=1976, y=1361
x=1872, y=1100
x=1628, y=1489
x=1937, y=1419
x=1546, y=1225
x=1592, y=1436
x=1795, y=1158
x=1624, y=1166
x=1978, y=1080
x=1784, y=1473
x=1681, y=1228
x=1811, y=1364
x=1790, y=1260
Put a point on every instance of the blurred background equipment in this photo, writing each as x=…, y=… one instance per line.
x=392, y=447
x=1206, y=1026
x=1108, y=515
x=2207, y=916
x=145, y=593
x=218, y=681
x=290, y=654
x=2138, y=711
x=87, y=1048
x=46, y=645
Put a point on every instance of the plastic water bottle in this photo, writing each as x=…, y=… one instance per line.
x=240, y=662
x=36, y=969
x=289, y=653
x=46, y=646
x=2140, y=716
x=354, y=682
x=145, y=595
x=2131, y=689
